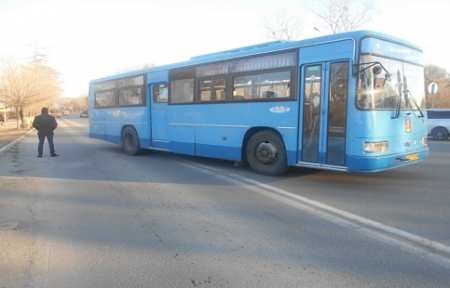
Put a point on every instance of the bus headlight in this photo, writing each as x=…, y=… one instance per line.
x=408, y=125
x=376, y=147
x=425, y=141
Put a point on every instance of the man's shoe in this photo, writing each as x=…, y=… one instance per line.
x=54, y=155
x=39, y=156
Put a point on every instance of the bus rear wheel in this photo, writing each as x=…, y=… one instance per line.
x=266, y=153
x=130, y=141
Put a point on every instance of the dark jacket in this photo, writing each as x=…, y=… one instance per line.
x=45, y=124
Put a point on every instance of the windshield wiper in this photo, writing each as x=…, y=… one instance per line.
x=400, y=93
x=415, y=104
x=408, y=99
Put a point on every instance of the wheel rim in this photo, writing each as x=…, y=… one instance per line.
x=266, y=153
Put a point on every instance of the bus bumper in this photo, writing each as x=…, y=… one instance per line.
x=370, y=164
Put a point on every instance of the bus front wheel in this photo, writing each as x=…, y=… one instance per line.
x=130, y=141
x=266, y=153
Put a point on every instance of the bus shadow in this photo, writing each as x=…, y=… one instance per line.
x=234, y=166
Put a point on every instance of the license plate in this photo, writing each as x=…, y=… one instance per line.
x=412, y=157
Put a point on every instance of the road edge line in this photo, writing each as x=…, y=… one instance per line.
x=15, y=141
x=389, y=233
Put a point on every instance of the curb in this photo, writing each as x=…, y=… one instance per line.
x=15, y=141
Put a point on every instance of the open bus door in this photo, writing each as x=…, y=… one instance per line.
x=323, y=130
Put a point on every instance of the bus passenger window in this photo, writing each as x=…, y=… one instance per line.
x=105, y=98
x=212, y=89
x=105, y=94
x=130, y=91
x=182, y=85
x=160, y=93
x=131, y=96
x=262, y=86
x=182, y=91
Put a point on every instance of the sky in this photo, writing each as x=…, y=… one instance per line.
x=88, y=39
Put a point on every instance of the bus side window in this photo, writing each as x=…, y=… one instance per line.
x=160, y=93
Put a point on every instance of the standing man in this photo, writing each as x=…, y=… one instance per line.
x=45, y=124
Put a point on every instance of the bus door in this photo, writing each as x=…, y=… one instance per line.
x=325, y=90
x=159, y=98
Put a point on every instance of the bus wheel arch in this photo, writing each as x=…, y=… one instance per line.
x=439, y=133
x=265, y=151
x=130, y=140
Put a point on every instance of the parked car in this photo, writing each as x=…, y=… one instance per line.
x=57, y=114
x=439, y=123
x=84, y=114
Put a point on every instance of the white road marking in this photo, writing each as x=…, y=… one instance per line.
x=434, y=251
x=15, y=141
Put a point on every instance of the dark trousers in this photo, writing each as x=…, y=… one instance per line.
x=50, y=143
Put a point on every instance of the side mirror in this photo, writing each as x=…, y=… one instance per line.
x=433, y=88
x=376, y=70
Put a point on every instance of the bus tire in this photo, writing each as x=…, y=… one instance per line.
x=266, y=153
x=130, y=141
x=439, y=134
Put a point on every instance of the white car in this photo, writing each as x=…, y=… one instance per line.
x=439, y=123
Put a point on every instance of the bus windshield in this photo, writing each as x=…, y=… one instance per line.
x=378, y=92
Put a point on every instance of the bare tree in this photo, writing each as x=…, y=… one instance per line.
x=435, y=73
x=335, y=16
x=282, y=27
x=14, y=89
x=28, y=86
x=343, y=15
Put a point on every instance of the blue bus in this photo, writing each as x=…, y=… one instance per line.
x=348, y=102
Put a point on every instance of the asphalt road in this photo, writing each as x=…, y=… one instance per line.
x=94, y=217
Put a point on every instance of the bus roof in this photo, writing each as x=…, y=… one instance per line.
x=263, y=48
